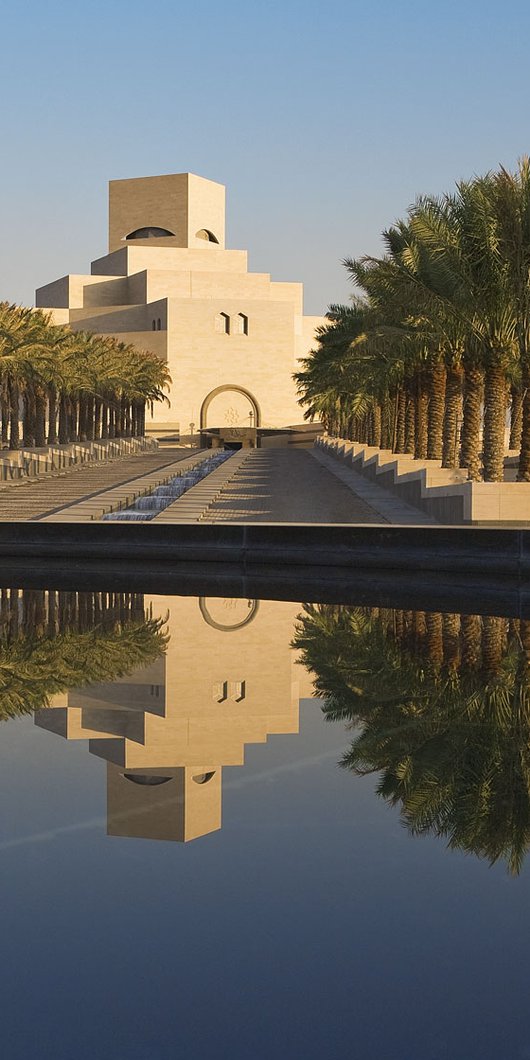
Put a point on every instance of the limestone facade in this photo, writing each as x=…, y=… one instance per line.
x=231, y=338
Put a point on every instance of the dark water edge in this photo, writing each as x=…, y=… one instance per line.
x=423, y=590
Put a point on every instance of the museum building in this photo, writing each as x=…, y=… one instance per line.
x=231, y=338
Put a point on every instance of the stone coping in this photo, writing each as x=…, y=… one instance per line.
x=280, y=546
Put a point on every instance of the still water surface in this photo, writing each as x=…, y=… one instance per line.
x=256, y=829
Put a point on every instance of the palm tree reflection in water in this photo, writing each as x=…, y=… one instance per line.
x=53, y=641
x=440, y=705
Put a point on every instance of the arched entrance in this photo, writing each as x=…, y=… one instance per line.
x=238, y=409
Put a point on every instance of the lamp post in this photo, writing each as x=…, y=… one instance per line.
x=192, y=428
x=251, y=417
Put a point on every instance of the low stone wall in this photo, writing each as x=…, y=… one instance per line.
x=16, y=464
x=468, y=551
x=443, y=493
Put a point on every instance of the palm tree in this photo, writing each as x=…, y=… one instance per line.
x=450, y=740
x=95, y=386
x=511, y=200
x=57, y=644
x=440, y=336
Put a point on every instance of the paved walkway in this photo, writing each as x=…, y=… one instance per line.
x=288, y=486
x=33, y=500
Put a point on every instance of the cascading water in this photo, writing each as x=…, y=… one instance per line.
x=145, y=508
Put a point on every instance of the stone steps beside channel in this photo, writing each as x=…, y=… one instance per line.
x=93, y=508
x=194, y=504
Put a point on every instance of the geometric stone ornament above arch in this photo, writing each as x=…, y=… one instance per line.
x=238, y=389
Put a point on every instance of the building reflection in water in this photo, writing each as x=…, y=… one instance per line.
x=227, y=679
x=170, y=690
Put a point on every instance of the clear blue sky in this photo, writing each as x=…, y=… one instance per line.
x=324, y=120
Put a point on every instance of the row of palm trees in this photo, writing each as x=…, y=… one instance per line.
x=433, y=355
x=70, y=386
x=439, y=708
x=53, y=641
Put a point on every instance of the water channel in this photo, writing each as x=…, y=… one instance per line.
x=256, y=828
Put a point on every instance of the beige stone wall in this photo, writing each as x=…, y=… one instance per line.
x=187, y=288
x=261, y=362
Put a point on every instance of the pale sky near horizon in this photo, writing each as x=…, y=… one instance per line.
x=324, y=120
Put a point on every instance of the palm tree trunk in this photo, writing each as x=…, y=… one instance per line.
x=399, y=442
x=453, y=411
x=523, y=473
x=410, y=417
x=135, y=416
x=494, y=419
x=4, y=410
x=516, y=417
x=492, y=644
x=97, y=418
x=28, y=420
x=436, y=385
x=472, y=422
x=104, y=419
x=73, y=419
x=14, y=439
x=82, y=429
x=112, y=419
x=52, y=414
x=470, y=633
x=40, y=418
x=451, y=640
x=376, y=420
x=90, y=422
x=434, y=639
x=422, y=405
x=386, y=423
x=63, y=420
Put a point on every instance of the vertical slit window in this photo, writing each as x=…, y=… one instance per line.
x=222, y=324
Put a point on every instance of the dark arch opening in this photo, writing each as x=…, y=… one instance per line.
x=149, y=233
x=253, y=608
x=146, y=779
x=204, y=233
x=219, y=390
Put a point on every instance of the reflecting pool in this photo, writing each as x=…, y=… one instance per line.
x=257, y=828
